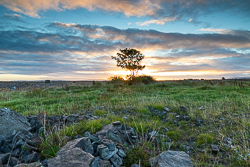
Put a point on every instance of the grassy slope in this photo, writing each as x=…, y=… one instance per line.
x=226, y=114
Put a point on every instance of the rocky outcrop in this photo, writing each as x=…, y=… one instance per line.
x=12, y=122
x=74, y=153
x=171, y=159
x=71, y=158
x=105, y=148
x=102, y=152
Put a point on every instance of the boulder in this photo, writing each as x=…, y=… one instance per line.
x=109, y=143
x=71, y=158
x=98, y=162
x=91, y=137
x=4, y=158
x=74, y=153
x=135, y=165
x=183, y=109
x=12, y=122
x=215, y=148
x=35, y=124
x=121, y=153
x=82, y=143
x=13, y=161
x=108, y=127
x=33, y=157
x=171, y=159
x=105, y=153
x=116, y=160
x=118, y=133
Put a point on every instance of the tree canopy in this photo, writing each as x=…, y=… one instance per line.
x=130, y=59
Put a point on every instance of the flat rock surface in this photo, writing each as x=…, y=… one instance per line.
x=71, y=158
x=11, y=122
x=106, y=128
x=172, y=159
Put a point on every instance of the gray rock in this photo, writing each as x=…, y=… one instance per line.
x=199, y=122
x=103, y=151
x=82, y=143
x=45, y=163
x=227, y=141
x=12, y=122
x=166, y=109
x=30, y=158
x=183, y=109
x=171, y=159
x=35, y=123
x=117, y=123
x=35, y=164
x=135, y=165
x=215, y=148
x=19, y=143
x=4, y=158
x=16, y=152
x=104, y=163
x=95, y=162
x=121, y=153
x=109, y=143
x=125, y=117
x=91, y=137
x=106, y=128
x=13, y=161
x=116, y=160
x=5, y=147
x=115, y=137
x=71, y=118
x=98, y=162
x=72, y=157
x=202, y=108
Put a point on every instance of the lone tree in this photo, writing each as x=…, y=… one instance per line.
x=130, y=59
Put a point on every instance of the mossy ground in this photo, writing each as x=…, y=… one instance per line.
x=226, y=114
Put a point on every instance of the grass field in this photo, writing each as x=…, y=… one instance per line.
x=225, y=112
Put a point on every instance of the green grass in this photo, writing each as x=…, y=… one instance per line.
x=226, y=114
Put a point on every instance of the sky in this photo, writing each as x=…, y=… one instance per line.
x=74, y=40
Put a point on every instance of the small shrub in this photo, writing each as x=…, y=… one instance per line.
x=100, y=112
x=91, y=126
x=143, y=111
x=143, y=79
x=205, y=138
x=97, y=84
x=66, y=87
x=174, y=135
x=136, y=154
x=116, y=80
x=156, y=107
x=36, y=93
x=206, y=87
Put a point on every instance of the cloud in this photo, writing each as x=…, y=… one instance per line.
x=74, y=49
x=14, y=17
x=212, y=30
x=155, y=21
x=128, y=7
x=63, y=37
x=154, y=8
